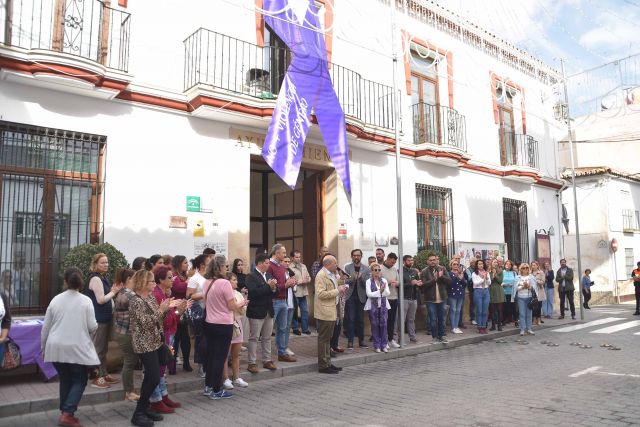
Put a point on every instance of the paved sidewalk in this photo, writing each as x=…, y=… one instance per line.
x=24, y=394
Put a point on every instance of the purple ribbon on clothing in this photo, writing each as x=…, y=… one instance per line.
x=306, y=88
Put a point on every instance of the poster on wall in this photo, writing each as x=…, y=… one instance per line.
x=543, y=249
x=465, y=250
x=219, y=246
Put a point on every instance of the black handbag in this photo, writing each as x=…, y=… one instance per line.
x=164, y=355
x=533, y=304
x=197, y=314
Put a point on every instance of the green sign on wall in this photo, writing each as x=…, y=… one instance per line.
x=193, y=204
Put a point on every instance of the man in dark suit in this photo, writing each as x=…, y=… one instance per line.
x=564, y=277
x=261, y=290
x=356, y=297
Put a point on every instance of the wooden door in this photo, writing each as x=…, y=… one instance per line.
x=313, y=213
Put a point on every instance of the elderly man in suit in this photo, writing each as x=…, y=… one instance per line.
x=261, y=288
x=356, y=298
x=326, y=309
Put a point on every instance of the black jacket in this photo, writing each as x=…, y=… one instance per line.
x=411, y=292
x=260, y=296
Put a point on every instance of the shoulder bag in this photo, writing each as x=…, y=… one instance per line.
x=196, y=314
x=12, y=356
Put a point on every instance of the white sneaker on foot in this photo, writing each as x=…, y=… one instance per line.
x=530, y=332
x=456, y=331
x=288, y=352
x=386, y=350
x=394, y=344
x=386, y=347
x=228, y=385
x=243, y=348
x=473, y=322
x=240, y=382
x=377, y=350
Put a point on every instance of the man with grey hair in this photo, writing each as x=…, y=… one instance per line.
x=278, y=271
x=327, y=297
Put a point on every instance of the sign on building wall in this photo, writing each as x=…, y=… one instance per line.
x=543, y=249
x=193, y=204
x=466, y=250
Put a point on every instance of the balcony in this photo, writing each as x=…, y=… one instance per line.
x=87, y=29
x=630, y=220
x=518, y=150
x=245, y=69
x=438, y=125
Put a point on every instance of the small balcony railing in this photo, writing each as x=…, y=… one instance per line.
x=86, y=28
x=240, y=67
x=630, y=220
x=440, y=125
x=518, y=149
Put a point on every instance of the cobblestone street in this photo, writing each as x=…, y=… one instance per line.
x=491, y=383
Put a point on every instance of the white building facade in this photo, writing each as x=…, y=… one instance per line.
x=141, y=125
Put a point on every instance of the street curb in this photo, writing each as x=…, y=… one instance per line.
x=344, y=360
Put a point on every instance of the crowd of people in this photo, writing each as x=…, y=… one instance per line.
x=151, y=311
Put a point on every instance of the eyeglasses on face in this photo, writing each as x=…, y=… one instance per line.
x=376, y=269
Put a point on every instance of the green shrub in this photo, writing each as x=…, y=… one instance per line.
x=81, y=256
x=421, y=258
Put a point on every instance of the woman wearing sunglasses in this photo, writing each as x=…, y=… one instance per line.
x=377, y=306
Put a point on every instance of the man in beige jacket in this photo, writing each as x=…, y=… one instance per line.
x=325, y=311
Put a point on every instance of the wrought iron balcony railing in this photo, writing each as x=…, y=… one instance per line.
x=237, y=66
x=86, y=28
x=518, y=149
x=630, y=220
x=440, y=125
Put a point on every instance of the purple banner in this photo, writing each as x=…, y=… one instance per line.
x=306, y=88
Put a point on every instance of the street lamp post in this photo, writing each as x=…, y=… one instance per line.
x=573, y=184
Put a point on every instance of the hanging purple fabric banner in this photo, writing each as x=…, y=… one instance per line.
x=306, y=87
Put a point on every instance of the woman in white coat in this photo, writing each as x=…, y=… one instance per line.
x=377, y=306
x=66, y=341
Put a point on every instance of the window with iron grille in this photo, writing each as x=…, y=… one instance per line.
x=516, y=229
x=434, y=212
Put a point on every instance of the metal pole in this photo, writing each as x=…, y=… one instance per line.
x=615, y=275
x=573, y=184
x=396, y=118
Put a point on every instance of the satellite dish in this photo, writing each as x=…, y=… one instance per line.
x=608, y=102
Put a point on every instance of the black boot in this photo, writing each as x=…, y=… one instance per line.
x=187, y=366
x=171, y=367
x=499, y=326
x=140, y=419
x=493, y=326
x=153, y=416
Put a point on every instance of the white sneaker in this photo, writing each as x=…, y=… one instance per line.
x=386, y=350
x=201, y=372
x=288, y=352
x=394, y=344
x=530, y=332
x=473, y=322
x=378, y=350
x=240, y=382
x=386, y=347
x=228, y=385
x=457, y=331
x=243, y=348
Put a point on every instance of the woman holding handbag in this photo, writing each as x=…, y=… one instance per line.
x=146, y=318
x=541, y=295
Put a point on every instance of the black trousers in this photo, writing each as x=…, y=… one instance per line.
x=183, y=341
x=637, y=298
x=218, y=342
x=567, y=295
x=587, y=296
x=391, y=320
x=151, y=379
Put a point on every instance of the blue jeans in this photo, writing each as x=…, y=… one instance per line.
x=436, y=313
x=161, y=389
x=304, y=315
x=355, y=314
x=481, y=302
x=525, y=314
x=73, y=380
x=280, y=323
x=547, y=307
x=455, y=304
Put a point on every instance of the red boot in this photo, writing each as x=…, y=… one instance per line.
x=161, y=408
x=68, y=420
x=170, y=403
